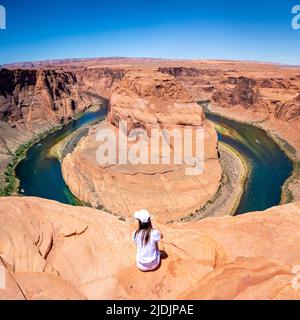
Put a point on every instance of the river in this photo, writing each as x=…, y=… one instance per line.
x=41, y=176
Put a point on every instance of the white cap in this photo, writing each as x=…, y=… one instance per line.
x=142, y=215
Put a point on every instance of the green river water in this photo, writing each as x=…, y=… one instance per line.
x=41, y=175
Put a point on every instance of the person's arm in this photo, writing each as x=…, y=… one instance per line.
x=161, y=234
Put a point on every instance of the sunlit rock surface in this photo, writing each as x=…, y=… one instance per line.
x=57, y=251
x=147, y=100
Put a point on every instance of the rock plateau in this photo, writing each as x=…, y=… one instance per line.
x=55, y=251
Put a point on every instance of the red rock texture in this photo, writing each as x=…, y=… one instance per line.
x=77, y=253
x=268, y=97
x=146, y=100
x=259, y=96
x=153, y=98
x=244, y=92
x=289, y=111
x=98, y=81
x=38, y=97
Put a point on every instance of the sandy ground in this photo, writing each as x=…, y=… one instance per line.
x=235, y=172
x=67, y=145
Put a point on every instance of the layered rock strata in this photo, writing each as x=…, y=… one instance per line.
x=146, y=102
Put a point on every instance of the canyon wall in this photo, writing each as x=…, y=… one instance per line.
x=199, y=82
x=35, y=96
x=34, y=100
x=83, y=253
x=265, y=98
x=271, y=101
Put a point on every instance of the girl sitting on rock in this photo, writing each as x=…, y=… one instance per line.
x=146, y=239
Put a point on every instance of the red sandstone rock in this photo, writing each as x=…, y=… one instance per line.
x=38, y=97
x=289, y=111
x=254, y=278
x=151, y=100
x=277, y=86
x=90, y=253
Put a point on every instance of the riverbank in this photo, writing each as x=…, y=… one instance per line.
x=235, y=171
x=68, y=143
x=260, y=151
x=291, y=187
x=10, y=185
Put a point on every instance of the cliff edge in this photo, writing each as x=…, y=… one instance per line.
x=55, y=251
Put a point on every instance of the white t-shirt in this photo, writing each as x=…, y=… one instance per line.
x=147, y=256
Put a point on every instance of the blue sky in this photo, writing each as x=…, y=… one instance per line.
x=192, y=29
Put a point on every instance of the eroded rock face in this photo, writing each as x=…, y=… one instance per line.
x=32, y=101
x=77, y=253
x=240, y=91
x=37, y=97
x=152, y=98
x=146, y=101
x=98, y=81
x=200, y=82
x=268, y=97
x=264, y=97
x=289, y=111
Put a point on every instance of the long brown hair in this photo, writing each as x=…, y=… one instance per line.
x=145, y=229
